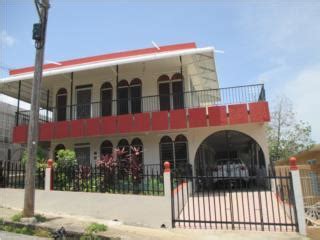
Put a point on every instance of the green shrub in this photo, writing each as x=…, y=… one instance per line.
x=40, y=218
x=95, y=228
x=42, y=233
x=17, y=217
x=66, y=158
x=41, y=156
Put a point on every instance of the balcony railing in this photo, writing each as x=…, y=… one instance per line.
x=192, y=99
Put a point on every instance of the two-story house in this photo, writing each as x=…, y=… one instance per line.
x=165, y=100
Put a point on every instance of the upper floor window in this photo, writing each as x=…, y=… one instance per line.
x=171, y=92
x=106, y=99
x=135, y=95
x=123, y=96
x=61, y=104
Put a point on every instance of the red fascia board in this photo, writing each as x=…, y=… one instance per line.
x=110, y=56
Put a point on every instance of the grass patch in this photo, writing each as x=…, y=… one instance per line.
x=40, y=218
x=95, y=228
x=17, y=217
x=25, y=230
x=92, y=229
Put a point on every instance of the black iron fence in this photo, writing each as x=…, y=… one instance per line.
x=183, y=100
x=145, y=181
x=12, y=175
x=241, y=202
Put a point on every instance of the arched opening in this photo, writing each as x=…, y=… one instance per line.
x=137, y=143
x=164, y=92
x=177, y=91
x=106, y=148
x=171, y=92
x=61, y=104
x=181, y=151
x=228, y=149
x=166, y=150
x=56, y=149
x=135, y=95
x=106, y=99
x=124, y=144
x=123, y=96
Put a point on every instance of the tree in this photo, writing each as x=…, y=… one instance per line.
x=286, y=134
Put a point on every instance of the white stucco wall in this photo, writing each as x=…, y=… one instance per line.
x=151, y=140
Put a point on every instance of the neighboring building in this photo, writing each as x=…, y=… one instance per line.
x=307, y=157
x=8, y=150
x=165, y=100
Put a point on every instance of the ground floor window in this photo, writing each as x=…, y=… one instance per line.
x=175, y=152
x=106, y=148
x=82, y=153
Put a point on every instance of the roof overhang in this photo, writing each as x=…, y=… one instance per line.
x=109, y=63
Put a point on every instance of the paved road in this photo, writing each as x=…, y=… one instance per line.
x=14, y=236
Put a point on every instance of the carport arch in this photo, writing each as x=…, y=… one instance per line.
x=229, y=144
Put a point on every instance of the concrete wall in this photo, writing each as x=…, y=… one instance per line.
x=148, y=211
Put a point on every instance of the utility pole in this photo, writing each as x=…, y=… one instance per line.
x=39, y=33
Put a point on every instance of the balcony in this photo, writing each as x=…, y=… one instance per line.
x=212, y=107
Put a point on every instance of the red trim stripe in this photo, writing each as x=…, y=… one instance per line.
x=110, y=56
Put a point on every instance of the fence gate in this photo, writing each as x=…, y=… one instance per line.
x=253, y=202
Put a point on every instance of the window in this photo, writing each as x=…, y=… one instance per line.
x=123, y=96
x=83, y=101
x=137, y=143
x=57, y=148
x=106, y=148
x=181, y=150
x=123, y=143
x=82, y=153
x=166, y=150
x=174, y=152
x=135, y=95
x=61, y=104
x=106, y=99
x=171, y=92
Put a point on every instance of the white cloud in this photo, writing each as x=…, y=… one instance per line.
x=6, y=39
x=304, y=92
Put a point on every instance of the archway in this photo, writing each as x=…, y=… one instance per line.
x=224, y=147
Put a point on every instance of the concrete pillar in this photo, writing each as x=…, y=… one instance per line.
x=167, y=190
x=298, y=196
x=48, y=186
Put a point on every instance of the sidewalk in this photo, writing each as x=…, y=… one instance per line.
x=116, y=230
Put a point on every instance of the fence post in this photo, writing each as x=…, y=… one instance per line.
x=49, y=177
x=167, y=190
x=298, y=196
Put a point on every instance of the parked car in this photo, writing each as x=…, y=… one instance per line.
x=231, y=170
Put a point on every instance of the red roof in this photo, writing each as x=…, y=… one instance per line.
x=109, y=56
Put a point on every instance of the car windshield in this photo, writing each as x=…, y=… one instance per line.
x=228, y=161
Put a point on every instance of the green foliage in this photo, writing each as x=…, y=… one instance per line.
x=95, y=228
x=42, y=233
x=17, y=217
x=66, y=158
x=286, y=135
x=92, y=229
x=41, y=158
x=40, y=218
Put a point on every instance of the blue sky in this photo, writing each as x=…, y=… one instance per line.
x=275, y=42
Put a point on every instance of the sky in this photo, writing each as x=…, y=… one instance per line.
x=272, y=42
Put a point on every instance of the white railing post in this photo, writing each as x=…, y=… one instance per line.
x=167, y=190
x=298, y=196
x=48, y=186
